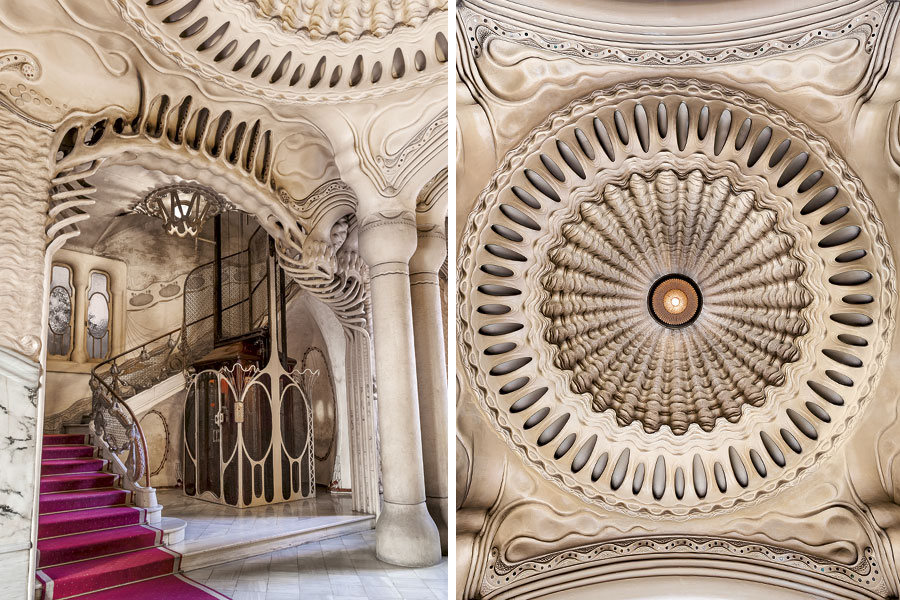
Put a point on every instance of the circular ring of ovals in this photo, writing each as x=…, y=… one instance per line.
x=673, y=122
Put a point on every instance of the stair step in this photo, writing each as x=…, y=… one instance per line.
x=66, y=451
x=91, y=519
x=71, y=465
x=77, y=481
x=172, y=586
x=94, y=544
x=110, y=571
x=58, y=439
x=77, y=428
x=81, y=499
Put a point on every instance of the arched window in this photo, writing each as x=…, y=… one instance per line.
x=86, y=311
x=59, y=335
x=98, y=307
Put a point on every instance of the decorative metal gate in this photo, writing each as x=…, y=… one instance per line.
x=248, y=435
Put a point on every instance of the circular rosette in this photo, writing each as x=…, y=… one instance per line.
x=674, y=298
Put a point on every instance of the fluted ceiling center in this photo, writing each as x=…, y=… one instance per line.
x=347, y=20
x=624, y=281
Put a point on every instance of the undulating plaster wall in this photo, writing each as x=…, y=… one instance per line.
x=163, y=427
x=311, y=348
x=64, y=390
x=24, y=183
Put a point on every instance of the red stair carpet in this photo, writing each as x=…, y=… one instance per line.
x=92, y=543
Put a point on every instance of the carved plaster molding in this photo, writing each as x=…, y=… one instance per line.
x=19, y=97
x=323, y=207
x=864, y=575
x=387, y=218
x=343, y=285
x=23, y=62
x=155, y=293
x=434, y=192
x=533, y=366
x=483, y=21
x=24, y=185
x=227, y=42
x=392, y=171
x=214, y=147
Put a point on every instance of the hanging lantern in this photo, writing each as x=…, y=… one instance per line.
x=183, y=207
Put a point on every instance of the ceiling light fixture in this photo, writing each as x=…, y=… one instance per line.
x=183, y=207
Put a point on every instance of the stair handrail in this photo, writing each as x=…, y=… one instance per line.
x=114, y=422
x=105, y=401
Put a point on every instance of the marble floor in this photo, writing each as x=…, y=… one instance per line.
x=337, y=568
x=343, y=568
x=211, y=523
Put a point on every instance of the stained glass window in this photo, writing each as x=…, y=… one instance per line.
x=59, y=335
x=98, y=315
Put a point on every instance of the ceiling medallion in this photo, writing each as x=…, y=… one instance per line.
x=674, y=298
x=183, y=207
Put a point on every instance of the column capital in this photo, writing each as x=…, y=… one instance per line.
x=387, y=240
x=429, y=256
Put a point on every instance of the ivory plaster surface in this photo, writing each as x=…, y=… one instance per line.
x=163, y=427
x=314, y=340
x=535, y=81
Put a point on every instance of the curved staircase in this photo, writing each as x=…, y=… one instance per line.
x=93, y=544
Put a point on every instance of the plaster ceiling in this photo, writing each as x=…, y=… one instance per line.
x=119, y=189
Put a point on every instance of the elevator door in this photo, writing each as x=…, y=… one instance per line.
x=209, y=435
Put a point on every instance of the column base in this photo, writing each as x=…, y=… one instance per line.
x=406, y=536
x=437, y=508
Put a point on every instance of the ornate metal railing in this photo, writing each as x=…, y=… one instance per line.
x=115, y=425
x=125, y=375
x=121, y=377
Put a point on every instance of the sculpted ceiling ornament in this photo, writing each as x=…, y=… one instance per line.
x=396, y=169
x=666, y=237
x=858, y=19
x=22, y=62
x=500, y=574
x=434, y=193
x=232, y=43
x=723, y=270
x=347, y=19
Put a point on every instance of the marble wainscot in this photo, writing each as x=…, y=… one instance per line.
x=19, y=380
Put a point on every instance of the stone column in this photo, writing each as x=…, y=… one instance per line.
x=404, y=532
x=24, y=198
x=81, y=276
x=431, y=372
x=364, y=463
